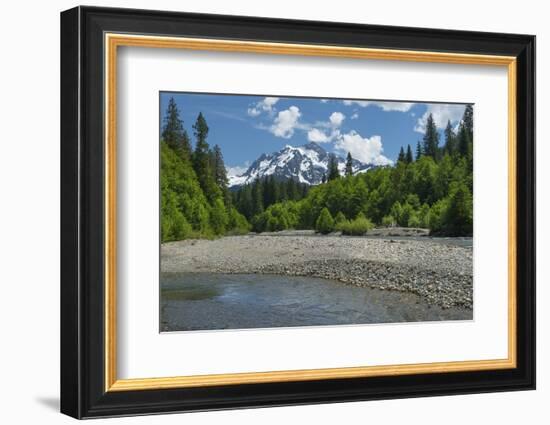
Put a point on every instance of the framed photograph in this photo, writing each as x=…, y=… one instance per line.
x=261, y=212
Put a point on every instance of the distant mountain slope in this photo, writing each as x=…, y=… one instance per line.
x=306, y=164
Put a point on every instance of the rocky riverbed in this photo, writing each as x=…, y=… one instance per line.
x=438, y=270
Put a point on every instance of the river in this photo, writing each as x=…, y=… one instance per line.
x=209, y=301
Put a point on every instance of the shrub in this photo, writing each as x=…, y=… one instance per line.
x=414, y=221
x=325, y=222
x=357, y=227
x=388, y=221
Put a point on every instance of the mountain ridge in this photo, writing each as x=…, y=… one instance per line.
x=306, y=164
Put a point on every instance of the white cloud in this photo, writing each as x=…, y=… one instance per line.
x=285, y=122
x=442, y=113
x=368, y=150
x=316, y=135
x=324, y=100
x=385, y=106
x=354, y=116
x=336, y=119
x=265, y=105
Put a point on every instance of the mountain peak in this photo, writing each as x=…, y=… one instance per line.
x=306, y=164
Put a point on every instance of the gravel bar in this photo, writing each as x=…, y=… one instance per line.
x=439, y=272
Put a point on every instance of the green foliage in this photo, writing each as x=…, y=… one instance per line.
x=431, y=139
x=358, y=227
x=333, y=172
x=401, y=156
x=339, y=218
x=173, y=133
x=325, y=222
x=252, y=199
x=388, y=221
x=196, y=204
x=349, y=165
x=409, y=155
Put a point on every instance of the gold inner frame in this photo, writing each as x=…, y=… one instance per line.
x=113, y=41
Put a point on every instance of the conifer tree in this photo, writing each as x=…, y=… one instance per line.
x=401, y=156
x=463, y=140
x=220, y=174
x=409, y=155
x=333, y=172
x=431, y=139
x=202, y=160
x=418, y=150
x=450, y=139
x=468, y=120
x=173, y=133
x=324, y=178
x=349, y=165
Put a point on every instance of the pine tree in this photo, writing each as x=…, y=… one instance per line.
x=324, y=178
x=220, y=174
x=468, y=120
x=450, y=139
x=409, y=155
x=333, y=172
x=431, y=139
x=173, y=132
x=418, y=150
x=463, y=140
x=202, y=159
x=325, y=222
x=401, y=157
x=349, y=165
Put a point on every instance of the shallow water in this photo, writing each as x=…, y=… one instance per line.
x=209, y=301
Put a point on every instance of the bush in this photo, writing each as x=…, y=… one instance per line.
x=340, y=218
x=388, y=221
x=414, y=221
x=325, y=222
x=357, y=227
x=237, y=223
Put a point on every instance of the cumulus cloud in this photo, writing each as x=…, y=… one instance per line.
x=264, y=105
x=336, y=119
x=331, y=132
x=365, y=149
x=354, y=116
x=442, y=113
x=318, y=136
x=385, y=106
x=286, y=122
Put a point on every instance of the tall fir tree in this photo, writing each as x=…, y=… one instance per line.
x=401, y=156
x=418, y=150
x=333, y=172
x=173, y=133
x=349, y=165
x=220, y=174
x=468, y=120
x=202, y=160
x=463, y=140
x=409, y=155
x=450, y=139
x=431, y=139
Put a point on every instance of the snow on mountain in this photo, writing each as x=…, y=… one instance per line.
x=306, y=164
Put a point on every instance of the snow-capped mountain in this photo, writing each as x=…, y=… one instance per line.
x=305, y=164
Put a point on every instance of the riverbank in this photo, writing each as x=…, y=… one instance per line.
x=439, y=272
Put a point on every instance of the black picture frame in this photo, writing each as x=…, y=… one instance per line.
x=82, y=206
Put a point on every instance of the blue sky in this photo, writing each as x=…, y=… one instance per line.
x=247, y=126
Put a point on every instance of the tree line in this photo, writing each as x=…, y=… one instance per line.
x=432, y=189
x=195, y=199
